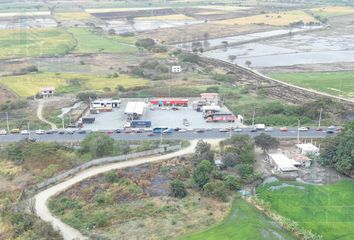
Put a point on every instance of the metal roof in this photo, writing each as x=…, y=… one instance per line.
x=135, y=107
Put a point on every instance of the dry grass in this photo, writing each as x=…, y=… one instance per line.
x=167, y=17
x=67, y=16
x=275, y=19
x=223, y=8
x=212, y=13
x=106, y=10
x=8, y=168
x=333, y=11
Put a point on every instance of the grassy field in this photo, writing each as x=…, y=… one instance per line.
x=35, y=42
x=30, y=84
x=67, y=16
x=89, y=42
x=275, y=19
x=332, y=11
x=243, y=222
x=336, y=83
x=326, y=210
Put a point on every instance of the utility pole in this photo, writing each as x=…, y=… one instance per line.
x=28, y=129
x=62, y=121
x=298, y=131
x=320, y=118
x=254, y=113
x=161, y=136
x=7, y=122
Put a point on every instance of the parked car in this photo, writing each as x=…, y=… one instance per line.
x=147, y=129
x=182, y=130
x=224, y=130
x=15, y=130
x=127, y=130
x=253, y=130
x=118, y=130
x=151, y=134
x=110, y=131
x=61, y=131
x=283, y=129
x=200, y=130
x=39, y=131
x=24, y=132
x=70, y=131
x=238, y=130
x=319, y=129
x=3, y=132
x=82, y=131
x=268, y=129
x=330, y=131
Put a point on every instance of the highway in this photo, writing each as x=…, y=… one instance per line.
x=189, y=135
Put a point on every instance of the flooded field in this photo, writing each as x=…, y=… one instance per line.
x=292, y=50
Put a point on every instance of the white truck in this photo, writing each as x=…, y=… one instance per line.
x=260, y=126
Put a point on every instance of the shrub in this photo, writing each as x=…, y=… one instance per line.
x=245, y=170
x=232, y=183
x=112, y=176
x=230, y=159
x=216, y=189
x=86, y=96
x=145, y=43
x=178, y=189
x=201, y=173
x=188, y=58
x=97, y=144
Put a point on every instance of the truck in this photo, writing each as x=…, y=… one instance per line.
x=221, y=117
x=86, y=120
x=260, y=126
x=140, y=124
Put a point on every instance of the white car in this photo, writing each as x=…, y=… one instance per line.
x=147, y=129
x=269, y=129
x=3, y=132
x=24, y=132
x=40, y=132
x=303, y=129
x=238, y=130
x=182, y=130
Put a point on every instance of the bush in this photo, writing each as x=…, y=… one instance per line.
x=230, y=159
x=232, y=183
x=188, y=58
x=245, y=170
x=147, y=43
x=223, y=78
x=201, y=173
x=98, y=145
x=86, y=96
x=216, y=189
x=112, y=176
x=177, y=188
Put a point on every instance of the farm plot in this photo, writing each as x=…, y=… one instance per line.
x=134, y=13
x=275, y=19
x=35, y=42
x=243, y=222
x=166, y=17
x=326, y=210
x=336, y=83
x=328, y=12
x=89, y=42
x=69, y=16
x=30, y=84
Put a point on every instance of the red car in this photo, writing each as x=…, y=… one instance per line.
x=283, y=129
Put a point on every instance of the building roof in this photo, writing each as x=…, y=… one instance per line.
x=284, y=163
x=135, y=107
x=47, y=89
x=307, y=147
x=300, y=158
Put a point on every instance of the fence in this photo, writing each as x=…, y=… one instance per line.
x=105, y=160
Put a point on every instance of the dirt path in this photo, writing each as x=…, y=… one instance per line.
x=40, y=116
x=70, y=233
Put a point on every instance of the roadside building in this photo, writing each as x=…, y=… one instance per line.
x=302, y=159
x=282, y=163
x=105, y=105
x=47, y=92
x=307, y=148
x=210, y=97
x=134, y=110
x=169, y=102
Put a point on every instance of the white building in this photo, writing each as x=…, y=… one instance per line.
x=176, y=69
x=135, y=109
x=282, y=163
x=307, y=148
x=105, y=105
x=47, y=92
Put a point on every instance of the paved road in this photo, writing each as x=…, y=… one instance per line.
x=68, y=232
x=189, y=135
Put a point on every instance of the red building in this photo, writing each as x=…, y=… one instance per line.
x=170, y=102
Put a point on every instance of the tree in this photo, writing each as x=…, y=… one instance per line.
x=266, y=142
x=230, y=159
x=147, y=43
x=98, y=145
x=201, y=175
x=216, y=189
x=203, y=152
x=177, y=188
x=232, y=183
x=245, y=170
x=86, y=96
x=232, y=58
x=111, y=31
x=248, y=63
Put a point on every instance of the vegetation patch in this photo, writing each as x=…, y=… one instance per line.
x=30, y=84
x=69, y=16
x=276, y=19
x=35, y=42
x=325, y=210
x=91, y=42
x=332, y=11
x=335, y=83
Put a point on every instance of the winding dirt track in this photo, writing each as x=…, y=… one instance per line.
x=40, y=116
x=70, y=233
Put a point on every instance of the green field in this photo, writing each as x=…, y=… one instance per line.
x=335, y=83
x=89, y=42
x=35, y=42
x=244, y=222
x=30, y=84
x=326, y=210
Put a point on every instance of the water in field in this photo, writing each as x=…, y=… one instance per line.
x=286, y=51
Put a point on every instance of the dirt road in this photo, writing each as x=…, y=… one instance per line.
x=70, y=233
x=40, y=116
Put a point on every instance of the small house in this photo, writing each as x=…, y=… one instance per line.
x=47, y=92
x=282, y=163
x=307, y=148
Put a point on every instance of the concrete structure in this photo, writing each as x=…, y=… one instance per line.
x=176, y=69
x=307, y=148
x=47, y=92
x=282, y=163
x=105, y=105
x=210, y=96
x=302, y=159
